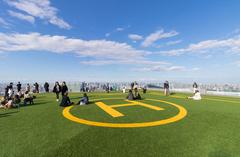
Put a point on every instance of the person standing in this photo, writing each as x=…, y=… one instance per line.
x=135, y=88
x=64, y=88
x=19, y=87
x=195, y=87
x=36, y=87
x=28, y=88
x=6, y=92
x=46, y=87
x=166, y=88
x=132, y=85
x=57, y=90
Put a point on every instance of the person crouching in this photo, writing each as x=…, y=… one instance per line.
x=27, y=98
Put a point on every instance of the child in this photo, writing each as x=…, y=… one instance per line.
x=84, y=100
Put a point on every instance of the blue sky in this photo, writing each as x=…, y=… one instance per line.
x=120, y=40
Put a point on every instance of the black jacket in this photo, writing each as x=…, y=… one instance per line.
x=65, y=101
x=55, y=89
x=64, y=89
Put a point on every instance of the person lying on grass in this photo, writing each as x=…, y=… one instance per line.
x=66, y=101
x=84, y=100
x=28, y=98
x=196, y=96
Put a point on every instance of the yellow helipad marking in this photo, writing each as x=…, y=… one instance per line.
x=181, y=114
x=114, y=113
x=109, y=110
x=146, y=105
x=122, y=105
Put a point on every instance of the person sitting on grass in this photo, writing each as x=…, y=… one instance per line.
x=66, y=100
x=3, y=101
x=28, y=98
x=8, y=104
x=144, y=89
x=196, y=96
x=130, y=95
x=11, y=103
x=138, y=96
x=84, y=100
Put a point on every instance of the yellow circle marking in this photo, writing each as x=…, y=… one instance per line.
x=181, y=114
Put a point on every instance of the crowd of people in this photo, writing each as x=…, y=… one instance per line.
x=12, y=98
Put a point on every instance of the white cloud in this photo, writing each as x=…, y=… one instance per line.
x=135, y=37
x=119, y=29
x=4, y=23
x=173, y=42
x=21, y=16
x=107, y=34
x=61, y=44
x=229, y=45
x=142, y=62
x=41, y=9
x=160, y=34
x=160, y=68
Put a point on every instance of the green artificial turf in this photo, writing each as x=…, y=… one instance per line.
x=210, y=129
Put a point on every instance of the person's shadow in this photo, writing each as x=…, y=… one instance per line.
x=6, y=114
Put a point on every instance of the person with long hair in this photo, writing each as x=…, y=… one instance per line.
x=57, y=89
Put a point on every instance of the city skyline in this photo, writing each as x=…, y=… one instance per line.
x=116, y=41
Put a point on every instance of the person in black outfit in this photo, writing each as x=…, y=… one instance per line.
x=46, y=87
x=132, y=85
x=57, y=89
x=66, y=100
x=6, y=93
x=166, y=88
x=64, y=88
x=19, y=87
x=11, y=86
x=195, y=87
x=36, y=87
